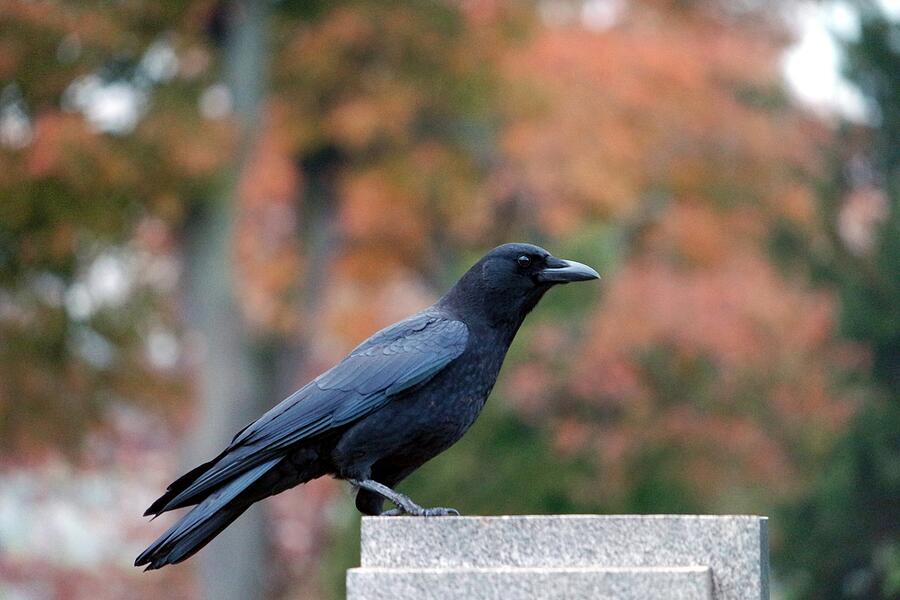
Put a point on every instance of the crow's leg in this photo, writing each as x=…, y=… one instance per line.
x=403, y=502
x=405, y=505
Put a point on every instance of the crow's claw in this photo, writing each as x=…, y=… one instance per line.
x=421, y=512
x=439, y=511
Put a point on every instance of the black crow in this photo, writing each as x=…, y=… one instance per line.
x=400, y=398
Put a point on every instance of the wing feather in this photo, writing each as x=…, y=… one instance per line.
x=387, y=364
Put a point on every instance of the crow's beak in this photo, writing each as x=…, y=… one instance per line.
x=565, y=271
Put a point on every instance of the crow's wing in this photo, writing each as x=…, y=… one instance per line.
x=391, y=361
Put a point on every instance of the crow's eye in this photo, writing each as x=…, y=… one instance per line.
x=524, y=261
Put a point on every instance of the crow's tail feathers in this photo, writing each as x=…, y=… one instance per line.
x=205, y=521
x=179, y=485
x=187, y=537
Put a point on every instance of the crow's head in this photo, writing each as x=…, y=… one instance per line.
x=509, y=281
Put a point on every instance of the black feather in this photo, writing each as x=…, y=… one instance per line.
x=386, y=364
x=204, y=522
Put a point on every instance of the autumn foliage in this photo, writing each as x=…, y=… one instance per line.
x=657, y=145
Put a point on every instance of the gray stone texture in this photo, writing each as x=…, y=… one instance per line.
x=674, y=583
x=576, y=555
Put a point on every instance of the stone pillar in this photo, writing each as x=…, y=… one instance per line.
x=677, y=557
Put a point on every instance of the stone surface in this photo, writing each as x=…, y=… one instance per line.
x=675, y=583
x=734, y=547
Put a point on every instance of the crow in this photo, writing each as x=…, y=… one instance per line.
x=397, y=400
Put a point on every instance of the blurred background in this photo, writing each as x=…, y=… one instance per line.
x=204, y=204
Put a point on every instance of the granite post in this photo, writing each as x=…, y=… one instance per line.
x=628, y=557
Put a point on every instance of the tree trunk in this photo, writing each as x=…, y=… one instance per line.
x=230, y=386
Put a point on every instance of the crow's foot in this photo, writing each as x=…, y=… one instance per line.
x=405, y=505
x=440, y=511
x=437, y=511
